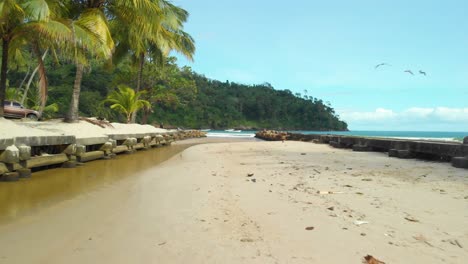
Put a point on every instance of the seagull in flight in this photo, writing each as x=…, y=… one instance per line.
x=421, y=72
x=382, y=64
x=409, y=71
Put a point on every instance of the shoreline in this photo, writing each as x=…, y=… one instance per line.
x=304, y=203
x=48, y=187
x=27, y=146
x=454, y=152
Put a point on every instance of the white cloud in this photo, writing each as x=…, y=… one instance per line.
x=452, y=114
x=380, y=114
x=414, y=118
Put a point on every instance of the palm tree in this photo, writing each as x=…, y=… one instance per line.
x=91, y=37
x=166, y=35
x=93, y=18
x=21, y=22
x=126, y=101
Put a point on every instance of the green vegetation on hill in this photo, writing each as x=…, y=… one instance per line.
x=183, y=98
x=227, y=104
x=65, y=58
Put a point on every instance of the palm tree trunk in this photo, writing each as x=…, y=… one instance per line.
x=73, y=111
x=144, y=118
x=24, y=79
x=31, y=78
x=139, y=81
x=28, y=84
x=42, y=88
x=3, y=73
x=140, y=72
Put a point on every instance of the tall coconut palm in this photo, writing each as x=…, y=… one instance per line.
x=94, y=17
x=126, y=101
x=22, y=21
x=91, y=37
x=166, y=35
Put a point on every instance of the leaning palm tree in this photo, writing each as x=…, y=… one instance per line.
x=24, y=22
x=126, y=101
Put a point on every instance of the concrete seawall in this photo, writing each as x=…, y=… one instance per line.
x=20, y=154
x=454, y=152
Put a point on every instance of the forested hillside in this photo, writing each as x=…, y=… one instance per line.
x=183, y=98
x=111, y=59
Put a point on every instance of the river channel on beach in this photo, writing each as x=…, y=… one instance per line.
x=51, y=186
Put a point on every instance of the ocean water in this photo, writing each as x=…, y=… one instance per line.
x=449, y=136
x=224, y=133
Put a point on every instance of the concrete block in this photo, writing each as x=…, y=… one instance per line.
x=405, y=154
x=10, y=176
x=146, y=141
x=460, y=162
x=5, y=142
x=46, y=160
x=130, y=142
x=70, y=150
x=393, y=153
x=69, y=164
x=120, y=149
x=336, y=144
x=139, y=146
x=3, y=168
x=24, y=152
x=113, y=142
x=361, y=148
x=107, y=147
x=10, y=155
x=92, y=140
x=92, y=155
x=45, y=140
x=465, y=141
x=80, y=150
x=24, y=173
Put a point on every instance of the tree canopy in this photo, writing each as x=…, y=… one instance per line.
x=181, y=97
x=87, y=51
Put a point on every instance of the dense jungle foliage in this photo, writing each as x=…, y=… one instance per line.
x=183, y=98
x=110, y=59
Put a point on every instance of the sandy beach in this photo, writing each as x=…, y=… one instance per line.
x=257, y=202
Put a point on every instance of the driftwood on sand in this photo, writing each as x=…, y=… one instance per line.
x=101, y=123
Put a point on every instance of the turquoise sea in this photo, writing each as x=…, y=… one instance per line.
x=393, y=134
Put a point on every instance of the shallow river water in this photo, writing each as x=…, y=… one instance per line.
x=50, y=186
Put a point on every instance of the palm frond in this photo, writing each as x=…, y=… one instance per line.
x=126, y=100
x=92, y=32
x=10, y=9
x=37, y=10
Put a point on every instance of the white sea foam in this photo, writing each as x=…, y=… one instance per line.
x=429, y=139
x=231, y=135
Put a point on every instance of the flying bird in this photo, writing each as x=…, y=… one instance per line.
x=381, y=64
x=409, y=71
x=421, y=72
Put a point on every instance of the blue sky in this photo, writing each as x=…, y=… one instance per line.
x=329, y=48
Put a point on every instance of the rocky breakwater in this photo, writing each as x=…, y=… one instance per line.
x=449, y=151
x=30, y=145
x=272, y=135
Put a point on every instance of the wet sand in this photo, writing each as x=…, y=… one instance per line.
x=304, y=203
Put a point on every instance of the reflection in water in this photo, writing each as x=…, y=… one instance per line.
x=47, y=187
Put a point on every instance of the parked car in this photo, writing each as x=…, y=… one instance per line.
x=16, y=110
